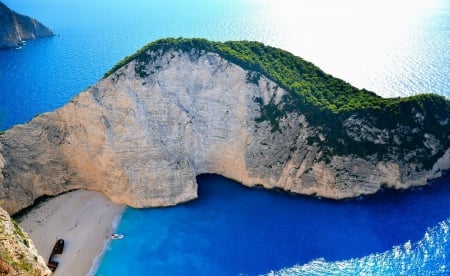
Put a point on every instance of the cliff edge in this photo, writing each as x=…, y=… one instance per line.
x=18, y=256
x=16, y=28
x=256, y=114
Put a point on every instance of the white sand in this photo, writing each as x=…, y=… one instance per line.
x=84, y=219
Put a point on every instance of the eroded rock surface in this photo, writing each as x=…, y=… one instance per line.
x=18, y=255
x=143, y=134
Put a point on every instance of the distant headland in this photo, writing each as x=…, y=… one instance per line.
x=16, y=28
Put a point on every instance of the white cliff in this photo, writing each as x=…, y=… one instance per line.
x=142, y=140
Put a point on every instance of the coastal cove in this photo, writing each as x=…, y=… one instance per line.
x=85, y=220
x=229, y=229
x=233, y=230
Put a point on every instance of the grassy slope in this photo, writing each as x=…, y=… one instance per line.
x=325, y=100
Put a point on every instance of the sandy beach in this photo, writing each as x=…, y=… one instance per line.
x=84, y=219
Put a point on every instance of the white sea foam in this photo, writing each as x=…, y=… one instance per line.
x=426, y=257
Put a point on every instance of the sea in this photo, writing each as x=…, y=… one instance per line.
x=394, y=48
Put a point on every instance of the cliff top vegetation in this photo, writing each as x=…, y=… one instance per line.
x=293, y=73
x=325, y=100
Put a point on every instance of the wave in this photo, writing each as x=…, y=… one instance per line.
x=429, y=256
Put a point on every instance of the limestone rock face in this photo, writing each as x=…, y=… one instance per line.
x=143, y=134
x=17, y=251
x=16, y=28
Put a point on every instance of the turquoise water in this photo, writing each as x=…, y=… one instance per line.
x=233, y=230
x=394, y=48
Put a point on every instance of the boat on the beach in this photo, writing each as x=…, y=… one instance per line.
x=52, y=265
x=57, y=249
x=117, y=236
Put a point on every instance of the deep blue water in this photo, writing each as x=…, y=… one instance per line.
x=232, y=230
x=394, y=48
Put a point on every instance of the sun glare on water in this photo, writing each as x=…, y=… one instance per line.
x=326, y=30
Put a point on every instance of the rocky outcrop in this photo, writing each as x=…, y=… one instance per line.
x=18, y=256
x=16, y=28
x=143, y=134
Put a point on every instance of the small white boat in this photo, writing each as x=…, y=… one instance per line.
x=117, y=236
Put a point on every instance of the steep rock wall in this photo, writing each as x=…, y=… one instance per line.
x=143, y=134
x=18, y=255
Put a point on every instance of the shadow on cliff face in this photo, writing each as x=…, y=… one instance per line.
x=275, y=230
x=36, y=203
